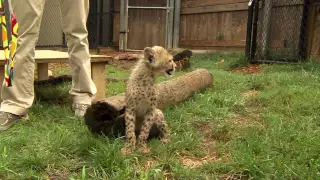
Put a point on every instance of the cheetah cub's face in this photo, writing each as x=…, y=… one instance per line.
x=160, y=60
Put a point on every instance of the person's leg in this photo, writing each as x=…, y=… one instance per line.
x=18, y=98
x=74, y=22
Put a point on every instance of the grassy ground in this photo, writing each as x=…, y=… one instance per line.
x=262, y=126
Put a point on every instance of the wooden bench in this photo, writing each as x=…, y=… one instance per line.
x=44, y=57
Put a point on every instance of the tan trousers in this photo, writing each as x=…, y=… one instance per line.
x=19, y=98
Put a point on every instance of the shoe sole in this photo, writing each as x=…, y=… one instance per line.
x=23, y=118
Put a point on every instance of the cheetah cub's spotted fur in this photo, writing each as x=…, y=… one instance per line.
x=141, y=98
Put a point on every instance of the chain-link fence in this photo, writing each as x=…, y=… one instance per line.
x=277, y=30
x=51, y=33
x=99, y=25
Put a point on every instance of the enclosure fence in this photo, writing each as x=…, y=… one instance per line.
x=99, y=25
x=277, y=30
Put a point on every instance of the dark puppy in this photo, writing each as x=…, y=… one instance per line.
x=185, y=54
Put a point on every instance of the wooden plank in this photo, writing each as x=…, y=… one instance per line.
x=226, y=26
x=216, y=8
x=42, y=71
x=212, y=26
x=147, y=27
x=239, y=25
x=200, y=3
x=98, y=77
x=310, y=27
x=315, y=49
x=176, y=24
x=170, y=25
x=148, y=3
x=50, y=56
x=213, y=43
x=213, y=29
x=116, y=28
x=183, y=28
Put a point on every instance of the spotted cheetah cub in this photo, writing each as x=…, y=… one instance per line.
x=141, y=98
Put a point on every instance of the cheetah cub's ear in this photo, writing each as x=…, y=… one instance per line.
x=149, y=55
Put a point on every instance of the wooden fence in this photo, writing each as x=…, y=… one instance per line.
x=314, y=29
x=204, y=24
x=213, y=23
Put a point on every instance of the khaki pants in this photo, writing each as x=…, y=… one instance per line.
x=19, y=98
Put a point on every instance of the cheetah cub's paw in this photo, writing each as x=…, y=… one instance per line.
x=126, y=150
x=165, y=140
x=144, y=150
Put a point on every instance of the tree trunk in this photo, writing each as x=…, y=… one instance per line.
x=107, y=116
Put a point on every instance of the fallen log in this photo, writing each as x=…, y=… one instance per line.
x=106, y=116
x=129, y=57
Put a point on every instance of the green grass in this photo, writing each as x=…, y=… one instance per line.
x=273, y=134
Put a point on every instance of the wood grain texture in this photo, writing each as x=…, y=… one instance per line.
x=215, y=8
x=147, y=27
x=42, y=71
x=50, y=56
x=151, y=3
x=315, y=49
x=227, y=29
x=201, y=3
x=98, y=77
x=213, y=43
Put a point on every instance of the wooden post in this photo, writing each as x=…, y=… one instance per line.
x=266, y=27
x=42, y=71
x=169, y=24
x=121, y=33
x=123, y=36
x=176, y=26
x=310, y=28
x=98, y=77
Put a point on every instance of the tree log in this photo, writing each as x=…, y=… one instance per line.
x=107, y=116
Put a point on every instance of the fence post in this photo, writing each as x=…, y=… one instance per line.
x=303, y=31
x=123, y=25
x=249, y=29
x=254, y=30
x=176, y=27
x=266, y=27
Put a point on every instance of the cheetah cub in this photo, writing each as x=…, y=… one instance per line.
x=141, y=98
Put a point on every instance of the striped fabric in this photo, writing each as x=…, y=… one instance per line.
x=9, y=51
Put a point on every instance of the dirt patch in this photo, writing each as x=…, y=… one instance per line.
x=249, y=93
x=250, y=119
x=208, y=146
x=235, y=176
x=193, y=162
x=249, y=69
x=57, y=174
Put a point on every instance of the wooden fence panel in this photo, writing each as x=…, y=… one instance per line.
x=226, y=29
x=152, y=3
x=315, y=48
x=203, y=3
x=209, y=23
x=213, y=23
x=147, y=27
x=116, y=22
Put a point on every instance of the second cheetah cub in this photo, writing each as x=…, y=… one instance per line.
x=141, y=98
